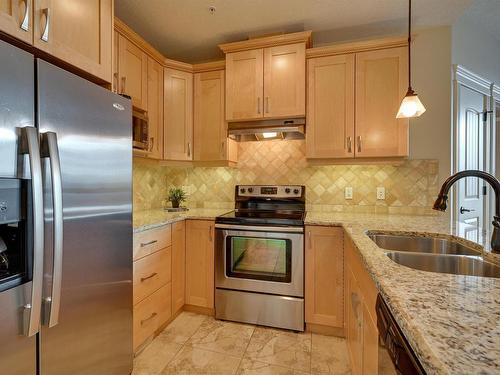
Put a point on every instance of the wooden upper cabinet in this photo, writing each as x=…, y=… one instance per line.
x=244, y=85
x=285, y=81
x=155, y=108
x=16, y=19
x=200, y=285
x=324, y=276
x=78, y=32
x=211, y=142
x=178, y=115
x=381, y=83
x=132, y=72
x=330, y=107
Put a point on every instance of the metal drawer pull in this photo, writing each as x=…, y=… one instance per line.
x=115, y=78
x=148, y=277
x=349, y=144
x=189, y=149
x=151, y=317
x=359, y=143
x=151, y=144
x=46, y=30
x=148, y=243
x=26, y=19
x=210, y=233
x=124, y=81
x=258, y=105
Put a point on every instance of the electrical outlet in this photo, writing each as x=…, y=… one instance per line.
x=348, y=192
x=381, y=193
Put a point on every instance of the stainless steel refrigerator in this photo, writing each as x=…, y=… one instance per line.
x=65, y=222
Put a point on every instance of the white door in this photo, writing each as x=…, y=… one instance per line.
x=471, y=149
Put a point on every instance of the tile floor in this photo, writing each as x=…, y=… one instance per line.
x=198, y=344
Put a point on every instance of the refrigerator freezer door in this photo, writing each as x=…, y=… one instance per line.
x=93, y=334
x=17, y=103
x=17, y=352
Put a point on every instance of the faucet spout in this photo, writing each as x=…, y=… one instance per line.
x=441, y=202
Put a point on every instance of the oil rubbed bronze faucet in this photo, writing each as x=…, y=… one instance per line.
x=440, y=203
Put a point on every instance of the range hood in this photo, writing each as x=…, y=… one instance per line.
x=267, y=130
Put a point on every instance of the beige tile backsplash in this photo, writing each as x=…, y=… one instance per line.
x=410, y=187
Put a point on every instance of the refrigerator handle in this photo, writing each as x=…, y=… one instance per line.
x=52, y=303
x=29, y=144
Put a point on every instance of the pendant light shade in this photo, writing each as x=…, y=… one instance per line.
x=411, y=106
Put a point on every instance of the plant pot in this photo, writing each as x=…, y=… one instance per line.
x=175, y=204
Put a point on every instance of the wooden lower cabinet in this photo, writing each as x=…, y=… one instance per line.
x=324, y=276
x=178, y=265
x=152, y=282
x=361, y=327
x=151, y=314
x=200, y=263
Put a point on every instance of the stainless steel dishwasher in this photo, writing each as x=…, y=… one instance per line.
x=395, y=354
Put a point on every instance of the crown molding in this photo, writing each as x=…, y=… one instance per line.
x=359, y=46
x=268, y=41
x=209, y=66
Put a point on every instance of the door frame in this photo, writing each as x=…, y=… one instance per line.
x=462, y=77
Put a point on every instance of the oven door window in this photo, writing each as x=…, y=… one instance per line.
x=257, y=258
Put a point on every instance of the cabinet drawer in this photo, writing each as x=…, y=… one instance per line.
x=151, y=313
x=150, y=241
x=152, y=272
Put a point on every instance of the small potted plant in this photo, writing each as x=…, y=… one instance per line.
x=176, y=196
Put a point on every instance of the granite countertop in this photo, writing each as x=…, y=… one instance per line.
x=452, y=322
x=149, y=219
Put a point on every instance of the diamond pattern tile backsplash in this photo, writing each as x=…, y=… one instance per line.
x=410, y=187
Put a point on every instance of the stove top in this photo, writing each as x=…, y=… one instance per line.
x=276, y=205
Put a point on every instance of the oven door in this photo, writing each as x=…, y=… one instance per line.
x=260, y=259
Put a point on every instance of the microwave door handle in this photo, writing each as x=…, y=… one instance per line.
x=50, y=149
x=29, y=144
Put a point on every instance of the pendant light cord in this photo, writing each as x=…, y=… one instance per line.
x=409, y=45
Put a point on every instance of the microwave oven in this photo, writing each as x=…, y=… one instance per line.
x=140, y=130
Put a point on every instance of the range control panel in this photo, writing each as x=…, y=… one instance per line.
x=270, y=191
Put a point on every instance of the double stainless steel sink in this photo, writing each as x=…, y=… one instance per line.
x=434, y=254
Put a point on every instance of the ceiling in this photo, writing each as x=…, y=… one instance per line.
x=185, y=30
x=485, y=14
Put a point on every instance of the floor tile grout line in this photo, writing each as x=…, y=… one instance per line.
x=245, y=351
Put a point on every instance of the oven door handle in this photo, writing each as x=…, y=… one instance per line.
x=261, y=228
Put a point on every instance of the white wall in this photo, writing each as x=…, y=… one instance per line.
x=430, y=134
x=475, y=49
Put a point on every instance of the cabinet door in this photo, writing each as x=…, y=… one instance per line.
x=324, y=276
x=16, y=19
x=210, y=129
x=178, y=115
x=200, y=263
x=285, y=81
x=132, y=72
x=78, y=32
x=354, y=325
x=178, y=265
x=244, y=85
x=330, y=107
x=155, y=108
x=381, y=83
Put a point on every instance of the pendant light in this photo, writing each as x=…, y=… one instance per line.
x=411, y=106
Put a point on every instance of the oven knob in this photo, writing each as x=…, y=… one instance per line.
x=250, y=190
x=242, y=191
x=296, y=191
x=287, y=190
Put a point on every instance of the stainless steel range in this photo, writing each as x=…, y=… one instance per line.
x=259, y=257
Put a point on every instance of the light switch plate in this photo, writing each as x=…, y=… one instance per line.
x=348, y=192
x=381, y=193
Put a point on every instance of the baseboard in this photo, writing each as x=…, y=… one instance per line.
x=325, y=330
x=199, y=310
